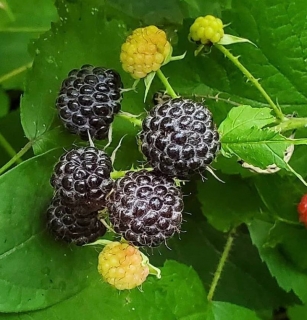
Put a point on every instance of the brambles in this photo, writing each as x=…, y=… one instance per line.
x=73, y=224
x=179, y=137
x=82, y=177
x=121, y=265
x=144, y=51
x=88, y=100
x=205, y=30
x=145, y=208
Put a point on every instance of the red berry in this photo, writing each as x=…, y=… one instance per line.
x=302, y=209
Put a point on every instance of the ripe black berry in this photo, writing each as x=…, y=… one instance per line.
x=145, y=208
x=73, y=224
x=82, y=177
x=88, y=100
x=179, y=137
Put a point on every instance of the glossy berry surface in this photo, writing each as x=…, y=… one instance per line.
x=144, y=51
x=208, y=29
x=179, y=137
x=120, y=264
x=302, y=209
x=82, y=177
x=145, y=208
x=73, y=224
x=88, y=100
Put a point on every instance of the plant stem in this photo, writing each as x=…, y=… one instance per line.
x=131, y=118
x=15, y=72
x=166, y=84
x=8, y=148
x=293, y=223
x=221, y=264
x=17, y=156
x=291, y=124
x=118, y=174
x=252, y=79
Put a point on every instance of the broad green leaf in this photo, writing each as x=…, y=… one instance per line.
x=15, y=35
x=69, y=46
x=242, y=135
x=297, y=312
x=287, y=274
x=240, y=202
x=201, y=246
x=179, y=294
x=4, y=103
x=227, y=311
x=36, y=271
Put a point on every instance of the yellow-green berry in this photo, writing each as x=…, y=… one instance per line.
x=144, y=51
x=206, y=29
x=120, y=264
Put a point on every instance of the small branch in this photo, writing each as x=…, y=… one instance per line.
x=291, y=124
x=166, y=84
x=221, y=264
x=8, y=148
x=18, y=155
x=280, y=116
x=15, y=72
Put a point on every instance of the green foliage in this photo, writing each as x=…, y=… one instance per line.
x=267, y=266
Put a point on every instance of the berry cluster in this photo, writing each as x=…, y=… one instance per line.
x=81, y=181
x=178, y=138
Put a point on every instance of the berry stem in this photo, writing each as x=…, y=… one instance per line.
x=166, y=84
x=8, y=148
x=291, y=124
x=131, y=118
x=17, y=156
x=293, y=223
x=15, y=72
x=119, y=174
x=235, y=60
x=107, y=226
x=221, y=264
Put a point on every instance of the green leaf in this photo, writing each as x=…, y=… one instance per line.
x=288, y=276
x=297, y=312
x=223, y=216
x=68, y=48
x=36, y=271
x=23, y=24
x=227, y=311
x=242, y=135
x=200, y=242
x=170, y=298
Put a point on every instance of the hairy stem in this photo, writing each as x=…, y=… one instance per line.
x=17, y=156
x=291, y=124
x=279, y=115
x=8, y=148
x=221, y=264
x=166, y=84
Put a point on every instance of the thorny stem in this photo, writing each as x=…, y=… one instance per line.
x=253, y=80
x=17, y=156
x=166, y=84
x=8, y=148
x=221, y=264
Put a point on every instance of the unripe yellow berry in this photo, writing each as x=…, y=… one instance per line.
x=120, y=264
x=208, y=29
x=144, y=51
